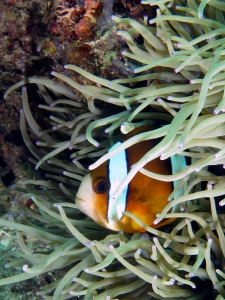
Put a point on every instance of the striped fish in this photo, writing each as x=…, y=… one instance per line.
x=144, y=196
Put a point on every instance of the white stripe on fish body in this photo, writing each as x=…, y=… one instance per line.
x=117, y=173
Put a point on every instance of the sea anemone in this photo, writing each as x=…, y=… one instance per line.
x=181, y=87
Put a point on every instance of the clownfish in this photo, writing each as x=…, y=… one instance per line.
x=144, y=196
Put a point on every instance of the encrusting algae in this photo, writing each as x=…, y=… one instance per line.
x=180, y=75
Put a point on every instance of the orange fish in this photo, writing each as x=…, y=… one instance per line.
x=144, y=196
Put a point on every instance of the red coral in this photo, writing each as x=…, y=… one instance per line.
x=12, y=1
x=89, y=19
x=83, y=17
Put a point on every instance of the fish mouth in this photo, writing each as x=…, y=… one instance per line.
x=78, y=199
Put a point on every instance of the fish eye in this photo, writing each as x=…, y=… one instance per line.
x=101, y=186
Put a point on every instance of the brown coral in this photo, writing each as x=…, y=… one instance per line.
x=68, y=13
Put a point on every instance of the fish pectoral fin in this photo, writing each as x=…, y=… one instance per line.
x=136, y=195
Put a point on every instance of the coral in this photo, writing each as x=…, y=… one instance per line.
x=180, y=88
x=21, y=26
x=18, y=35
x=79, y=19
x=133, y=9
x=95, y=48
x=66, y=13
